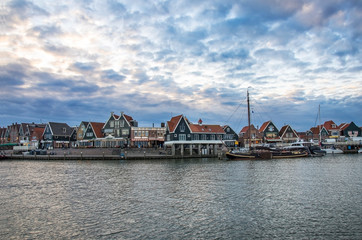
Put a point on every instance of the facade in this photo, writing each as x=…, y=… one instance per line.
x=13, y=133
x=270, y=132
x=256, y=136
x=288, y=135
x=350, y=130
x=27, y=135
x=184, y=136
x=318, y=133
x=332, y=128
x=147, y=136
x=36, y=134
x=93, y=135
x=80, y=133
x=117, y=130
x=230, y=138
x=2, y=135
x=58, y=135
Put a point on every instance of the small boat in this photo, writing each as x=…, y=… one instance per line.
x=351, y=149
x=309, y=147
x=332, y=150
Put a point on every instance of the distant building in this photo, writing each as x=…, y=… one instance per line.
x=255, y=135
x=270, y=132
x=184, y=136
x=117, y=130
x=349, y=130
x=80, y=133
x=58, y=135
x=231, y=137
x=93, y=135
x=332, y=128
x=147, y=136
x=288, y=135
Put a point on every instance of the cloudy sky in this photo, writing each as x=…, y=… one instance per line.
x=73, y=61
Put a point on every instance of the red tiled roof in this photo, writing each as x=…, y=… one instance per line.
x=37, y=132
x=328, y=125
x=173, y=123
x=343, y=126
x=128, y=118
x=283, y=129
x=206, y=128
x=97, y=128
x=263, y=127
x=245, y=129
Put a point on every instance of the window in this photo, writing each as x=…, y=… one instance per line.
x=122, y=123
x=64, y=130
x=116, y=125
x=168, y=138
x=212, y=137
x=182, y=137
x=182, y=127
x=196, y=137
x=89, y=134
x=111, y=124
x=203, y=137
x=175, y=135
x=125, y=132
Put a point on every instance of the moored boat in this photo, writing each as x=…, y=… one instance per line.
x=333, y=150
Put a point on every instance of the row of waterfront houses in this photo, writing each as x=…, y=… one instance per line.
x=123, y=131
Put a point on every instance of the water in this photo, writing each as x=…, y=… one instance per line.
x=317, y=198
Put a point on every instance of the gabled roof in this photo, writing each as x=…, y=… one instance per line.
x=60, y=129
x=85, y=123
x=264, y=126
x=172, y=124
x=344, y=126
x=246, y=128
x=37, y=132
x=97, y=129
x=328, y=125
x=128, y=118
x=284, y=129
x=196, y=128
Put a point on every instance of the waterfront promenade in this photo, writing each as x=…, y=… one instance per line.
x=103, y=154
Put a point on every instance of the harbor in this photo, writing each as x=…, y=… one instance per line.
x=190, y=198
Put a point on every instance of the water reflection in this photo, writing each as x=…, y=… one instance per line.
x=197, y=198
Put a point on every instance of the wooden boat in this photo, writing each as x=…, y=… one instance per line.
x=264, y=153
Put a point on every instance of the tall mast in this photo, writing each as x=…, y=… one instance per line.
x=249, y=119
x=320, y=134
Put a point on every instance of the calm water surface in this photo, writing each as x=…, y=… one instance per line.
x=311, y=198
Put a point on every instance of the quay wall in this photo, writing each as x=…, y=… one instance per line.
x=105, y=154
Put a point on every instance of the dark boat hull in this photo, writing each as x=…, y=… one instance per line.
x=265, y=155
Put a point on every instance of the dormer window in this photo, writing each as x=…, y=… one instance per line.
x=64, y=130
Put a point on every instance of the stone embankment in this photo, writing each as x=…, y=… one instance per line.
x=102, y=154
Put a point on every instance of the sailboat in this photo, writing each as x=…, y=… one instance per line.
x=262, y=154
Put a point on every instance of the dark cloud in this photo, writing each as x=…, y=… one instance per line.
x=110, y=74
x=11, y=75
x=88, y=66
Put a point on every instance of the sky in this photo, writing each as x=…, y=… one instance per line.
x=72, y=61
